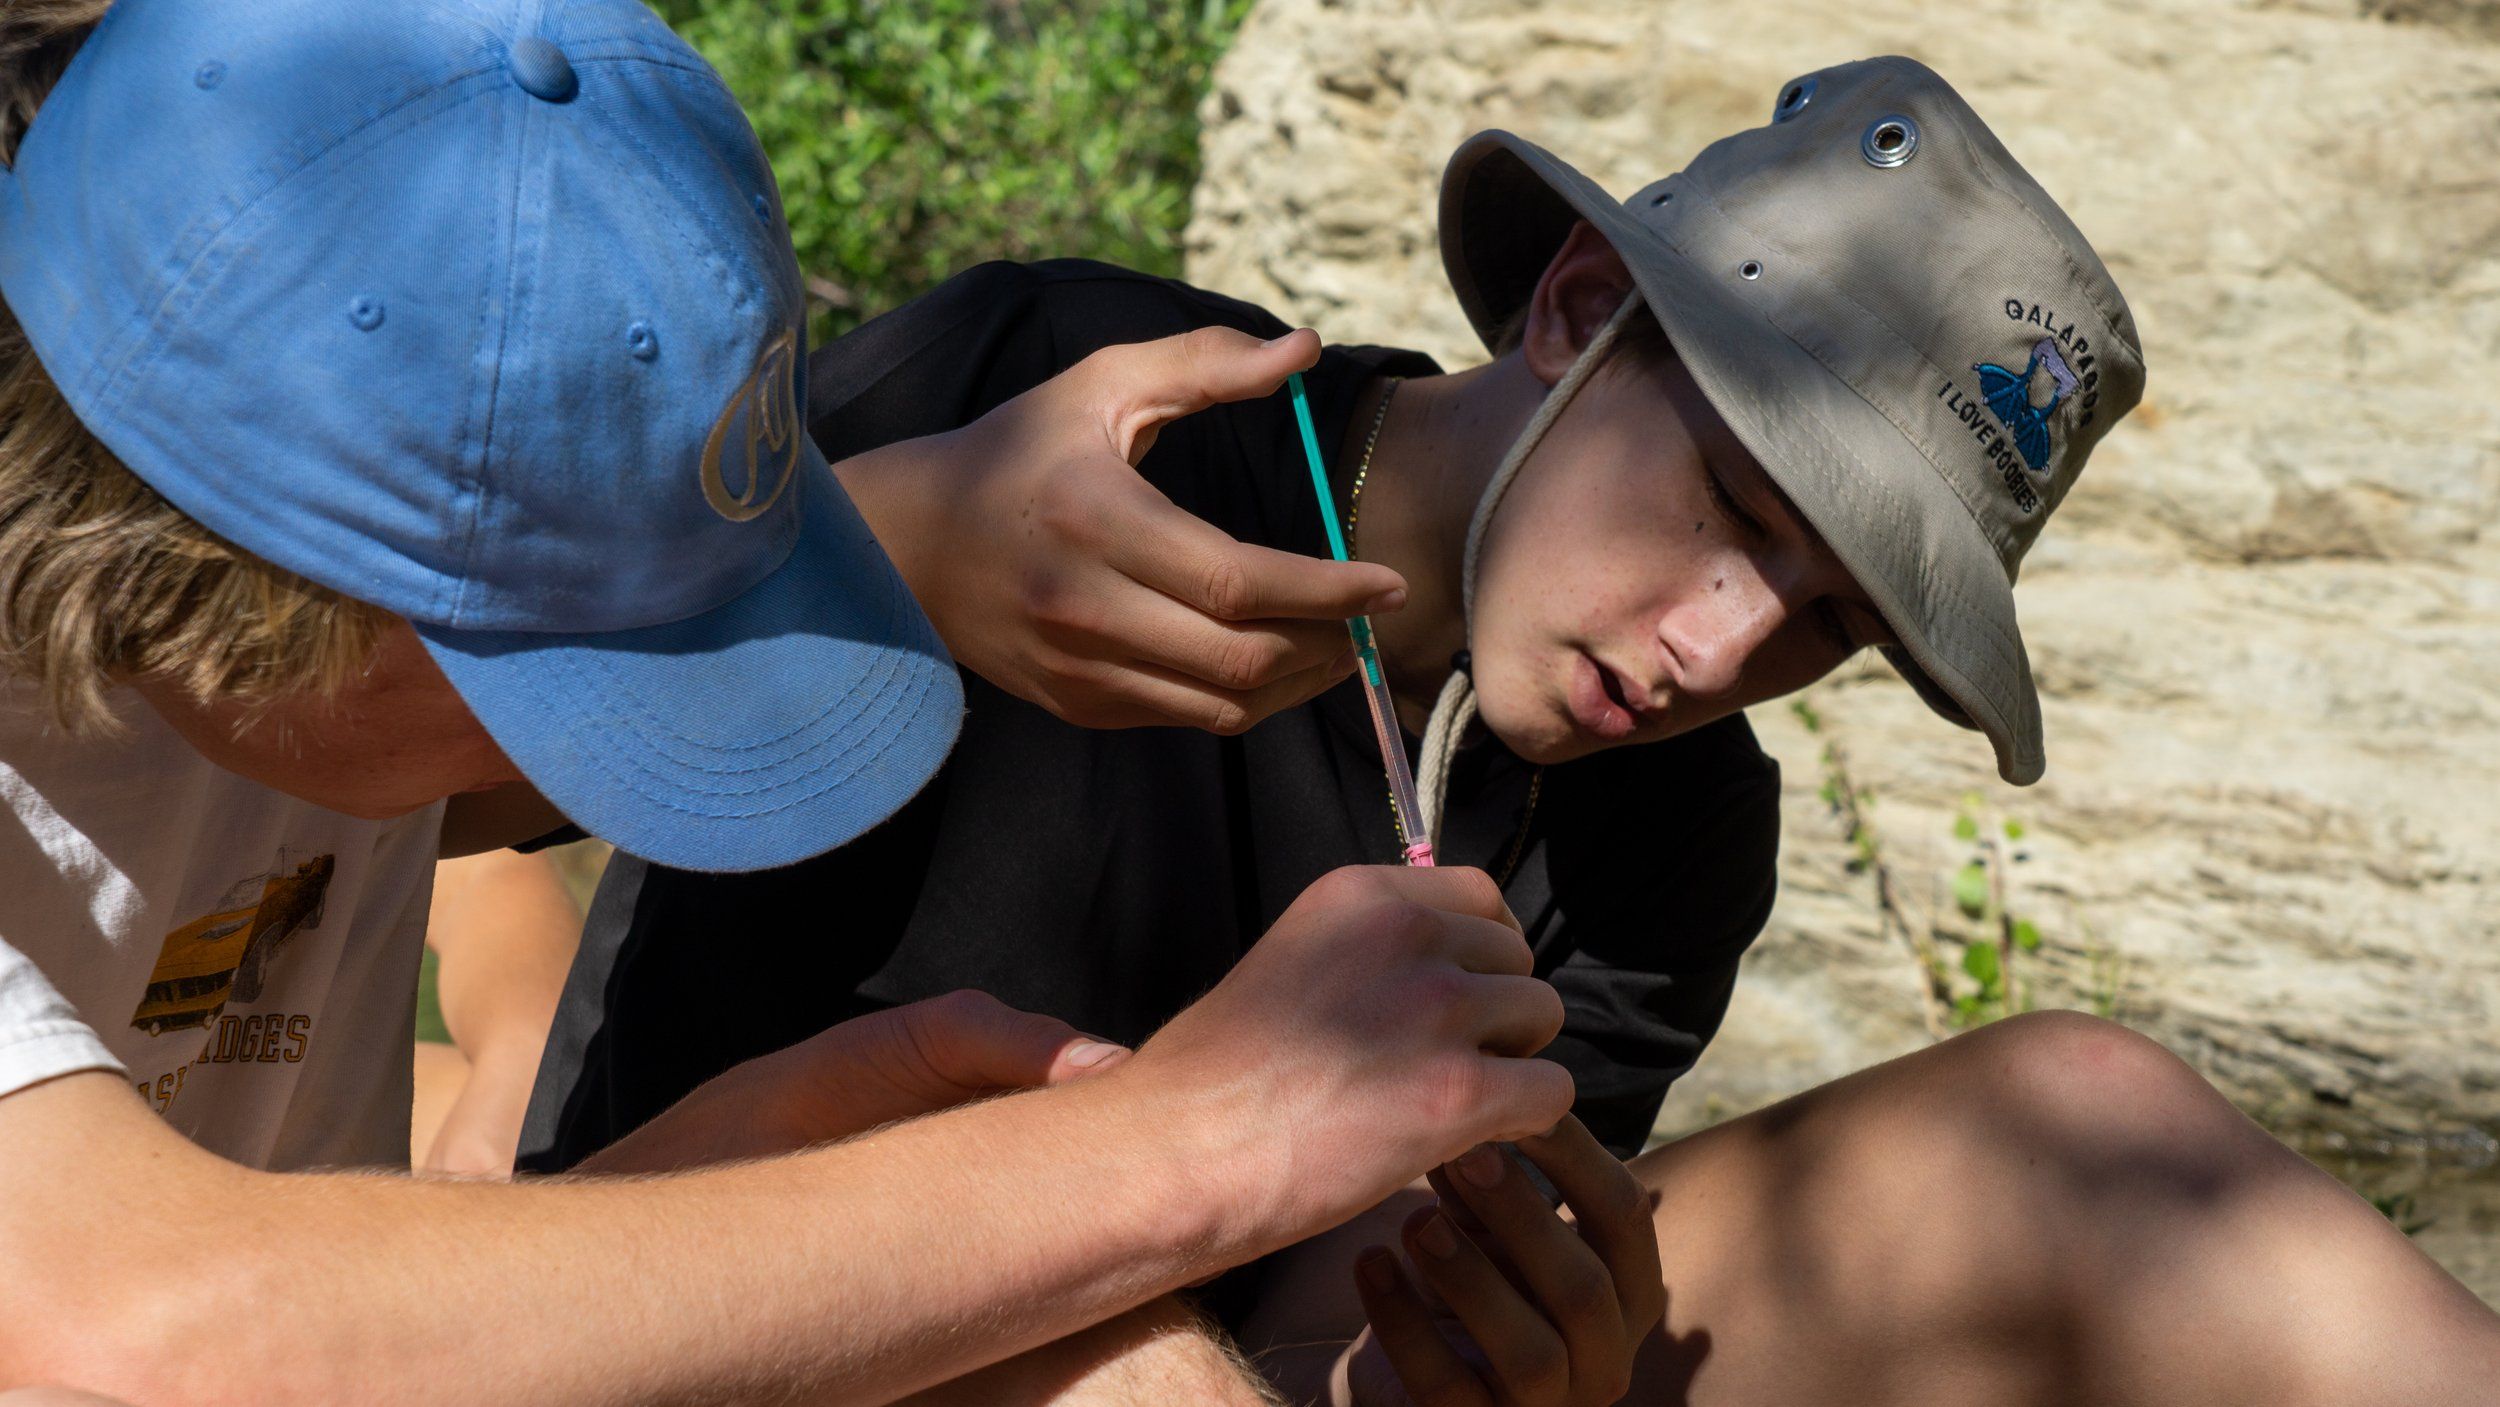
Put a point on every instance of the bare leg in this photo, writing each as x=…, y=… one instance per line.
x=1156, y=1355
x=2048, y=1210
x=55, y=1397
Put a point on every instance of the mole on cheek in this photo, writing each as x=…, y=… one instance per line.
x=1697, y=527
x=1718, y=584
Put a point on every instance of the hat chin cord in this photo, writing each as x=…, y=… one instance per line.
x=1456, y=708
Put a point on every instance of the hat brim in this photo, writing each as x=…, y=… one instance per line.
x=774, y=727
x=1894, y=521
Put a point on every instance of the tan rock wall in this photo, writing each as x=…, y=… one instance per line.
x=2268, y=621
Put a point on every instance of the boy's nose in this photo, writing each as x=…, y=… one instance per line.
x=1711, y=639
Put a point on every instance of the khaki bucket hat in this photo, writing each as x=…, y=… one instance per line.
x=1916, y=343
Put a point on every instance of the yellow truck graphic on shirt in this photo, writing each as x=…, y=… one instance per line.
x=224, y=955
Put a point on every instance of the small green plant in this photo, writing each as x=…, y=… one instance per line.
x=1991, y=955
x=1854, y=807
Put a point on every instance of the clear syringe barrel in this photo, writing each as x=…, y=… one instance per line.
x=1418, y=851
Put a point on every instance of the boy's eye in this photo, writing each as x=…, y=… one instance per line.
x=1727, y=501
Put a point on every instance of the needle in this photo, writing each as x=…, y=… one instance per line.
x=1375, y=684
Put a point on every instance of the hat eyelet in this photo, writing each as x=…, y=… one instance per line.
x=366, y=312
x=1793, y=100
x=641, y=342
x=208, y=75
x=1889, y=142
x=1749, y=270
x=1661, y=198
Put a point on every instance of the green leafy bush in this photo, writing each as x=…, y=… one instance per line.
x=913, y=138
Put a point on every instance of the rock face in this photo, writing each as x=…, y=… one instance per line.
x=2267, y=623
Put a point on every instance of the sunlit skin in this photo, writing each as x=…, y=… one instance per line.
x=1643, y=576
x=395, y=739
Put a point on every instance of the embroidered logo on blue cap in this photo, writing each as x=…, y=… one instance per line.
x=759, y=426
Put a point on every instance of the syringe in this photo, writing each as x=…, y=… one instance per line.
x=1367, y=655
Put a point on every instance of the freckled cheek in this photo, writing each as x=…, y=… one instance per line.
x=1605, y=597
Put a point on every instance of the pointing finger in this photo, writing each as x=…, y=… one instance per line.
x=1181, y=555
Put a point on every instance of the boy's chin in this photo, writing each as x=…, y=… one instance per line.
x=1544, y=736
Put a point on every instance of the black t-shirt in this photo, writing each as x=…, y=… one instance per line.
x=1110, y=878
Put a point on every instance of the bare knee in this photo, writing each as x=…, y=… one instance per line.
x=2066, y=1072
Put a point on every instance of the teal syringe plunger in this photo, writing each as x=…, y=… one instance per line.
x=1367, y=655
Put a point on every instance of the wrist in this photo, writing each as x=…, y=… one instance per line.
x=1185, y=1149
x=898, y=489
x=1212, y=1157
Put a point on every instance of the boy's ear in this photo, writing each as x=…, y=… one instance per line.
x=1579, y=291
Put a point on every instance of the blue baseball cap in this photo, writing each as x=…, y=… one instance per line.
x=485, y=313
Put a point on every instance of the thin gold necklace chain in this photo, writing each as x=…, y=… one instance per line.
x=1363, y=470
x=1353, y=520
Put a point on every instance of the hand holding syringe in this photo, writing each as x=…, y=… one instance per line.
x=1375, y=684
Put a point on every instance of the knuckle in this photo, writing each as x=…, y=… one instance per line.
x=1340, y=885
x=1228, y=719
x=1438, y=991
x=1551, y=1013
x=1408, y=925
x=1244, y=662
x=1224, y=586
x=1557, y=1095
x=1453, y=1087
x=1586, y=1292
x=1477, y=889
x=1623, y=1201
x=1044, y=596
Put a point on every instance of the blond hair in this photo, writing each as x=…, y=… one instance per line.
x=101, y=579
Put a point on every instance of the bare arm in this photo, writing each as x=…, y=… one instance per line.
x=1375, y=1031
x=503, y=930
x=146, y=1268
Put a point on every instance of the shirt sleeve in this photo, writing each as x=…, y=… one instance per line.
x=1652, y=908
x=40, y=1033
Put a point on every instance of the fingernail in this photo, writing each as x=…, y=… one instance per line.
x=1481, y=1165
x=1378, y=1271
x=1386, y=601
x=1436, y=1237
x=1085, y=1055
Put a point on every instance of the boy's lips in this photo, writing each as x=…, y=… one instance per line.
x=1598, y=702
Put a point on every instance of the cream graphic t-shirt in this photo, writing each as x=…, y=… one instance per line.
x=248, y=961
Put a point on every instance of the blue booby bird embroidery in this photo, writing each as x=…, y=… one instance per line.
x=2009, y=395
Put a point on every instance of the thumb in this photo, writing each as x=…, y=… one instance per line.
x=1144, y=386
x=975, y=1041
